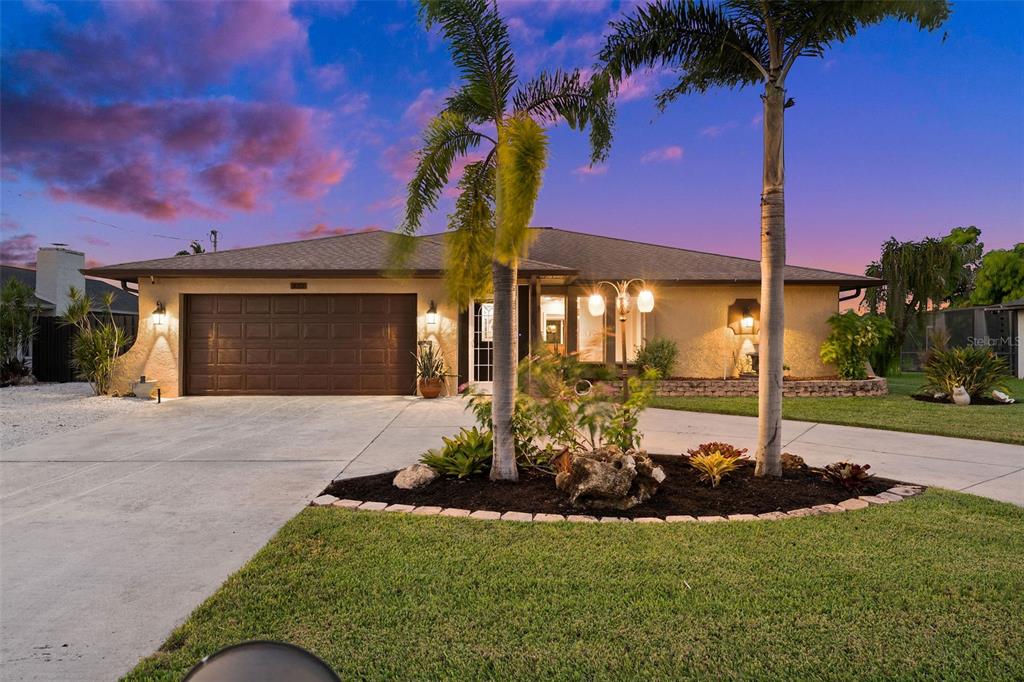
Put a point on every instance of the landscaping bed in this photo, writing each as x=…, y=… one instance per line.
x=680, y=494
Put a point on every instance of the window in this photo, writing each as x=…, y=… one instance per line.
x=552, y=323
x=486, y=322
x=589, y=333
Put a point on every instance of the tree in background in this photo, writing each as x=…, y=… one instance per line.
x=1000, y=279
x=740, y=43
x=97, y=343
x=18, y=312
x=919, y=276
x=489, y=228
x=194, y=248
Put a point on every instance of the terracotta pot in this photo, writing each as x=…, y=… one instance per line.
x=431, y=388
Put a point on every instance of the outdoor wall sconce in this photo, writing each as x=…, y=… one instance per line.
x=744, y=316
x=432, y=315
x=623, y=302
x=159, y=313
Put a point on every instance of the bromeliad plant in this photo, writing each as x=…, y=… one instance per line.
x=97, y=343
x=714, y=466
x=847, y=474
x=463, y=455
x=724, y=449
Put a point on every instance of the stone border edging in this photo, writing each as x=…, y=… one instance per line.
x=894, y=494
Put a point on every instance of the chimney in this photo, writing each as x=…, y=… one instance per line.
x=58, y=268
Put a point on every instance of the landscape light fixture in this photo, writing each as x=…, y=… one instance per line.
x=623, y=302
x=743, y=316
x=432, y=315
x=159, y=313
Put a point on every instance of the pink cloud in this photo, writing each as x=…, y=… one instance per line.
x=324, y=230
x=717, y=130
x=670, y=153
x=387, y=204
x=597, y=169
x=235, y=184
x=638, y=85
x=315, y=173
x=329, y=76
x=426, y=105
x=95, y=241
x=399, y=160
x=547, y=9
x=18, y=249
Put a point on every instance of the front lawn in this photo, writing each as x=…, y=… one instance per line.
x=930, y=588
x=894, y=412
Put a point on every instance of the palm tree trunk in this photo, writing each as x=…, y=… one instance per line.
x=773, y=260
x=503, y=467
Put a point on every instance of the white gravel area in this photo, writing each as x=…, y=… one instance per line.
x=29, y=413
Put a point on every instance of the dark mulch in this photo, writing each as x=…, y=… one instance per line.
x=979, y=400
x=681, y=493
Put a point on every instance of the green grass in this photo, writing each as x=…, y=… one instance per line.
x=894, y=412
x=927, y=589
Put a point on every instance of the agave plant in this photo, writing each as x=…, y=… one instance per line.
x=429, y=362
x=978, y=370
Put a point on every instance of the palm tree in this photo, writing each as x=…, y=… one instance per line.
x=489, y=229
x=739, y=43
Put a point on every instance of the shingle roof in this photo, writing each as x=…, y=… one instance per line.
x=553, y=252
x=124, y=302
x=360, y=254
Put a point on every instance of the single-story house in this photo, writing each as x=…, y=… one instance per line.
x=323, y=316
x=58, y=268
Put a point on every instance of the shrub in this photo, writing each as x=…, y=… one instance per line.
x=465, y=454
x=847, y=474
x=978, y=370
x=429, y=361
x=659, y=355
x=853, y=340
x=714, y=466
x=723, y=449
x=97, y=344
x=17, y=327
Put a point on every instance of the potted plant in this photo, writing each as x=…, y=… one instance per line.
x=430, y=370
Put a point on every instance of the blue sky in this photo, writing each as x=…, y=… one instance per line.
x=274, y=122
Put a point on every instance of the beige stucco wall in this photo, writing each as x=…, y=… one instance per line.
x=695, y=317
x=158, y=348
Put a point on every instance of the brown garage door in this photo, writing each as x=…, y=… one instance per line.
x=301, y=344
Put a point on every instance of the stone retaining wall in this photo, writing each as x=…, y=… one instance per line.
x=800, y=388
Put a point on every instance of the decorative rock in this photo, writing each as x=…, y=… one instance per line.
x=742, y=517
x=581, y=518
x=426, y=511
x=890, y=496
x=348, y=504
x=607, y=478
x=373, y=506
x=485, y=515
x=548, y=517
x=872, y=499
x=454, y=512
x=324, y=501
x=516, y=516
x=679, y=518
x=648, y=519
x=828, y=508
x=415, y=476
x=905, y=490
x=961, y=397
x=772, y=516
x=710, y=519
x=853, y=503
x=613, y=519
x=792, y=462
x=404, y=508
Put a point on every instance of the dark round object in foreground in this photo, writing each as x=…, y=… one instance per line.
x=262, y=661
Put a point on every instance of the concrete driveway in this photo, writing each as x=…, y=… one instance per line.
x=112, y=534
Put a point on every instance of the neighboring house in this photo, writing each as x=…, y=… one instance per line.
x=1000, y=328
x=59, y=268
x=323, y=316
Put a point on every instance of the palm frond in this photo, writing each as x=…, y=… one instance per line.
x=566, y=95
x=469, y=242
x=696, y=39
x=479, y=45
x=522, y=157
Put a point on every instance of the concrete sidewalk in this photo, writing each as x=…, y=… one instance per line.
x=110, y=535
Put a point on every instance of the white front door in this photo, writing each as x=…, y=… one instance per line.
x=481, y=346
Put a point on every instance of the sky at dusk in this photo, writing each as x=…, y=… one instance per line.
x=129, y=129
